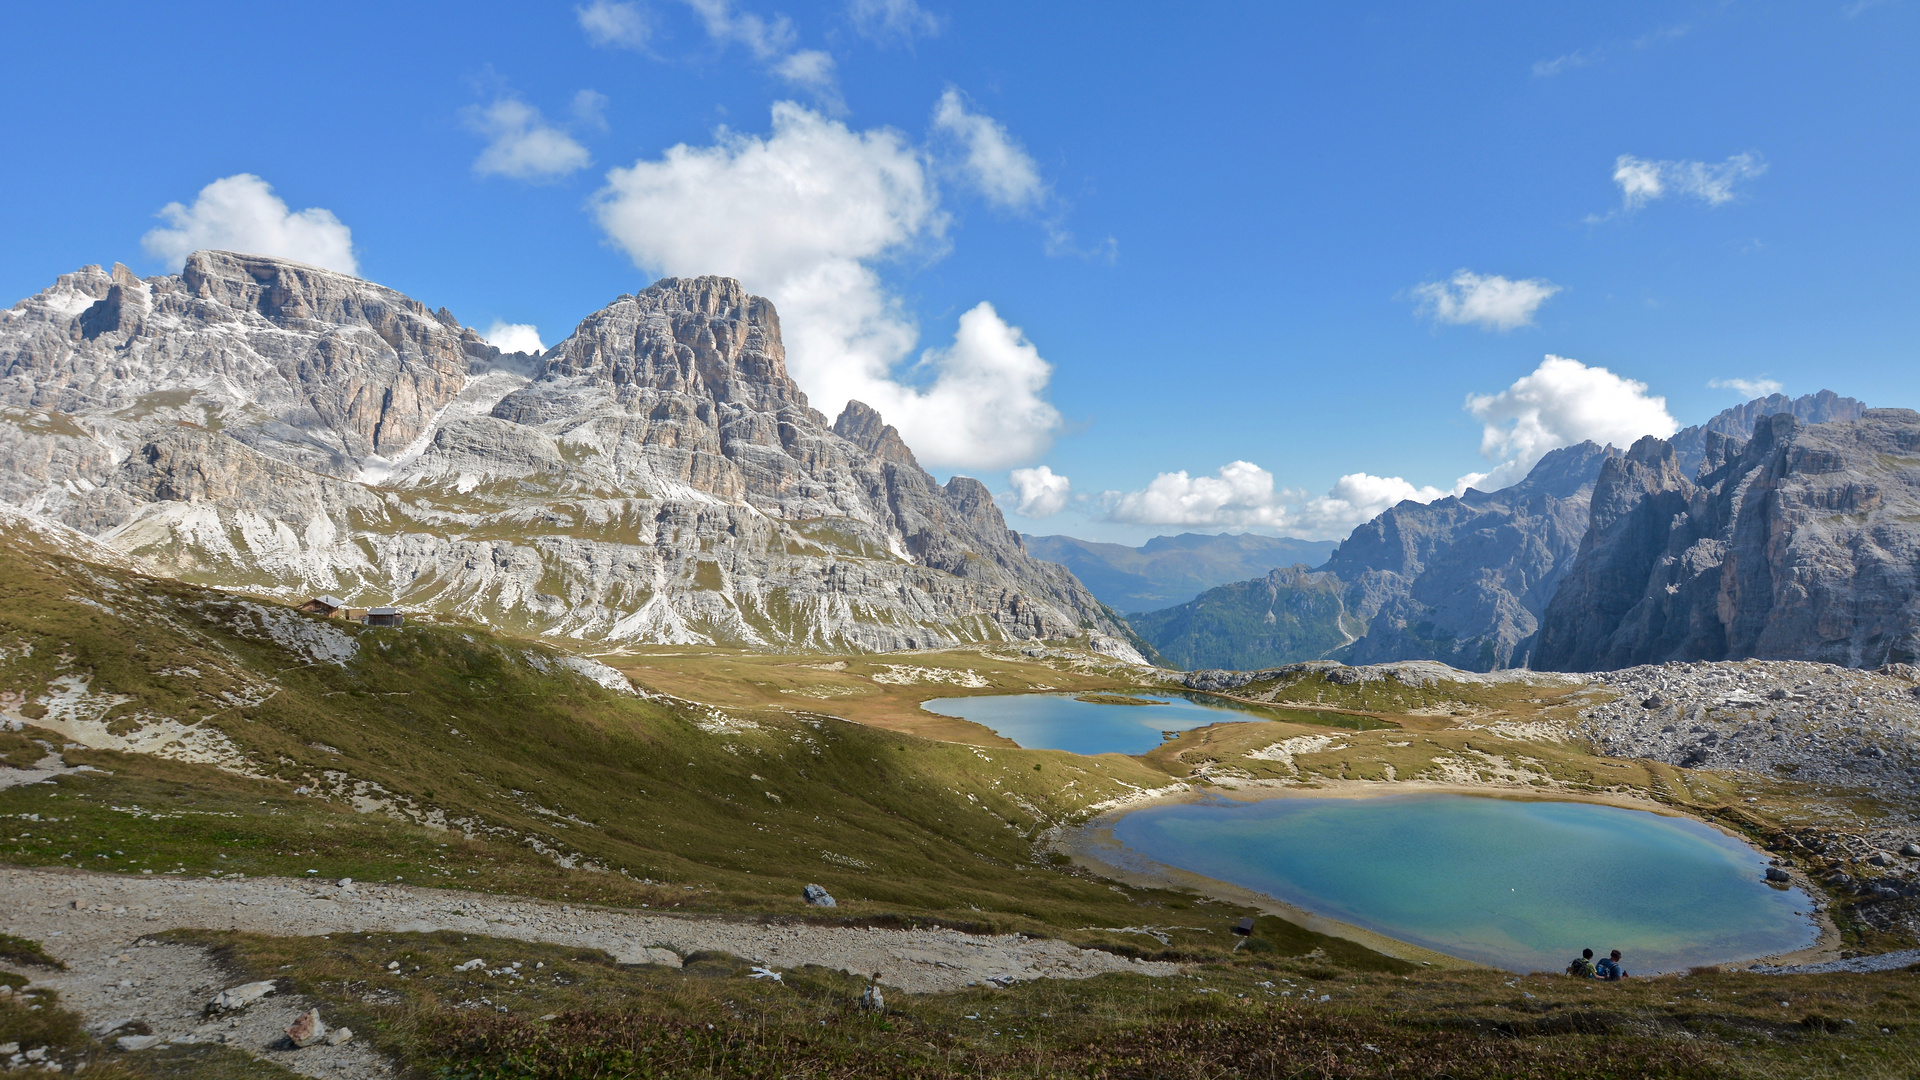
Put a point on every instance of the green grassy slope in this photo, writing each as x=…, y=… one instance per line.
x=445, y=755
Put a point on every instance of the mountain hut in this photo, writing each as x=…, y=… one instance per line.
x=325, y=604
x=385, y=616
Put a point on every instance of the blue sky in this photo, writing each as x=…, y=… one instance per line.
x=1227, y=242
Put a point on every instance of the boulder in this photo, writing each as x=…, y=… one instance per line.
x=307, y=1030
x=338, y=1036
x=1774, y=873
x=817, y=896
x=136, y=1042
x=1910, y=849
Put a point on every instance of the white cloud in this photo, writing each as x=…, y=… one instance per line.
x=1642, y=181
x=522, y=144
x=992, y=161
x=1041, y=492
x=1241, y=495
x=812, y=71
x=764, y=38
x=1748, y=388
x=772, y=42
x=615, y=25
x=1360, y=497
x=891, y=21
x=1489, y=301
x=241, y=213
x=1560, y=403
x=514, y=337
x=802, y=216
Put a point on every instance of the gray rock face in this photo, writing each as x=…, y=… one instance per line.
x=656, y=477
x=1801, y=544
x=1464, y=579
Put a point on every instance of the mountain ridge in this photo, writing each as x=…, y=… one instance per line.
x=654, y=477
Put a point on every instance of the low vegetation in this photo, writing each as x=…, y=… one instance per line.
x=232, y=737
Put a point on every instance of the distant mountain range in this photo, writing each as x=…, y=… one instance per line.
x=1171, y=569
x=1468, y=579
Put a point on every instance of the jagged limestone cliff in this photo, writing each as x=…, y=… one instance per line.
x=656, y=477
x=1798, y=545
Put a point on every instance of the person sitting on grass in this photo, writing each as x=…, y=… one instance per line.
x=1609, y=969
x=1582, y=966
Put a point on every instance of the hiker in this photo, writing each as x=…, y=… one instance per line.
x=1609, y=969
x=1582, y=966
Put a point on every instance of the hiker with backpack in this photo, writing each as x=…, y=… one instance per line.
x=1582, y=966
x=1609, y=969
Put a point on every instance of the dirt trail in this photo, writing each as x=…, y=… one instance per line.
x=111, y=979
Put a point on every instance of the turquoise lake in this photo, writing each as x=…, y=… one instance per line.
x=1513, y=884
x=1060, y=722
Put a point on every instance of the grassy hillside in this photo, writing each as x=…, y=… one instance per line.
x=231, y=736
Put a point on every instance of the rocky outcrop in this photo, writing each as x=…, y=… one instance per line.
x=1801, y=544
x=656, y=477
x=1825, y=407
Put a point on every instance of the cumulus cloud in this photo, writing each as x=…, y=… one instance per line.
x=892, y=21
x=514, y=337
x=1241, y=494
x=990, y=160
x=1041, y=492
x=1642, y=181
x=241, y=213
x=803, y=215
x=614, y=25
x=1489, y=301
x=523, y=145
x=1748, y=388
x=1560, y=403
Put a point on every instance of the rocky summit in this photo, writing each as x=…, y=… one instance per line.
x=655, y=478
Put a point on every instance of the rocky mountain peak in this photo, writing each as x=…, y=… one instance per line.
x=860, y=424
x=705, y=336
x=655, y=477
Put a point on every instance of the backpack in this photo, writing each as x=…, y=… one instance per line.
x=1581, y=968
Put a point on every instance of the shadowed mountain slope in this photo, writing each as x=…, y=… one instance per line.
x=1171, y=569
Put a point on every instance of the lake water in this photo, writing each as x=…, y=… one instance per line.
x=1514, y=884
x=1061, y=722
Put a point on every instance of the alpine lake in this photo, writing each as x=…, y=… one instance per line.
x=1519, y=884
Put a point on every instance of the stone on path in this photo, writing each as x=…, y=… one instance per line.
x=234, y=998
x=338, y=1036
x=136, y=1042
x=307, y=1030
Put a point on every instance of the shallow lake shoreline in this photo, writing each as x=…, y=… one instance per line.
x=1094, y=847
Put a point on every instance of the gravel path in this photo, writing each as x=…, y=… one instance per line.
x=1882, y=962
x=93, y=921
